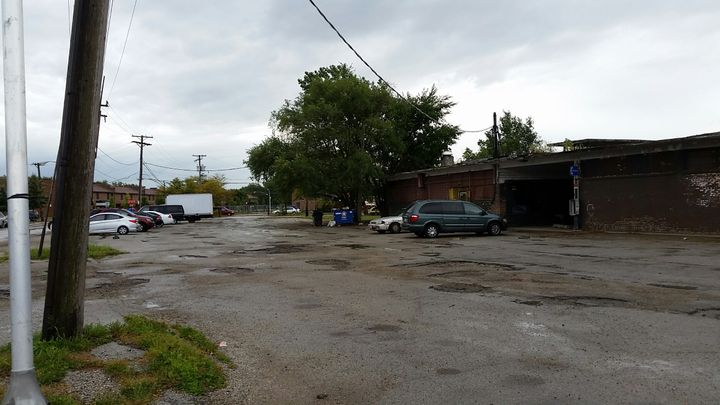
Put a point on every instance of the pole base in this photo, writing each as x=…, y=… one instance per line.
x=24, y=389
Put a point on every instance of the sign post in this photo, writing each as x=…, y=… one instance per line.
x=575, y=202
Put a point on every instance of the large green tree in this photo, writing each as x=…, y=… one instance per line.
x=516, y=136
x=343, y=135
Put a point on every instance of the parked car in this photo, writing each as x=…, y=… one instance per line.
x=177, y=211
x=113, y=222
x=145, y=221
x=288, y=210
x=166, y=218
x=392, y=223
x=431, y=217
x=3, y=220
x=155, y=217
x=225, y=211
x=34, y=215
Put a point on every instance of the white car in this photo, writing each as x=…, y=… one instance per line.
x=288, y=210
x=166, y=218
x=113, y=222
x=393, y=224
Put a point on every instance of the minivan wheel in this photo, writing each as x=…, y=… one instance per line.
x=431, y=230
x=123, y=230
x=494, y=229
x=394, y=228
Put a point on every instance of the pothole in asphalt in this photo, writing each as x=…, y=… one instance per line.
x=337, y=264
x=588, y=300
x=463, y=267
x=119, y=284
x=193, y=256
x=353, y=246
x=673, y=286
x=460, y=287
x=232, y=270
x=5, y=292
x=277, y=249
x=534, y=303
x=713, y=312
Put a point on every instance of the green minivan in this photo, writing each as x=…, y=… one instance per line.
x=429, y=218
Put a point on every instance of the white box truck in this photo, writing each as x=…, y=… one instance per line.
x=196, y=206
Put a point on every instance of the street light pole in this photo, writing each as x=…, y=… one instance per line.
x=24, y=388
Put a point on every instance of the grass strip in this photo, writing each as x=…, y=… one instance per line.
x=176, y=357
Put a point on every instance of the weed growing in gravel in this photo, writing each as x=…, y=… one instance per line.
x=176, y=356
x=96, y=252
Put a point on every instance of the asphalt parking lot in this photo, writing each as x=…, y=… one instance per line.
x=344, y=315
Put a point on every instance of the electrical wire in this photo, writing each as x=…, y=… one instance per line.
x=112, y=178
x=114, y=160
x=127, y=35
x=373, y=69
x=194, y=170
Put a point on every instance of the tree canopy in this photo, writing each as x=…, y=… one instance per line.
x=343, y=135
x=214, y=185
x=516, y=137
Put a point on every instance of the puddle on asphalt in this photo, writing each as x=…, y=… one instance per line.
x=271, y=250
x=353, y=246
x=232, y=270
x=447, y=371
x=460, y=287
x=673, y=286
x=336, y=264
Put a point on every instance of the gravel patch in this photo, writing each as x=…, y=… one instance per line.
x=89, y=384
x=171, y=397
x=116, y=351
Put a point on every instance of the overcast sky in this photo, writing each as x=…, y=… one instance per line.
x=203, y=77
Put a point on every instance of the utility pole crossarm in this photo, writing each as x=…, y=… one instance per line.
x=200, y=166
x=141, y=143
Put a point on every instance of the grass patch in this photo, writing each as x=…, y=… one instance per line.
x=96, y=252
x=176, y=356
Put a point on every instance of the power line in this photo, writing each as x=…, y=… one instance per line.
x=113, y=159
x=127, y=35
x=373, y=69
x=194, y=170
x=112, y=178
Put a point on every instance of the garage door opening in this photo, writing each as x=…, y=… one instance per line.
x=538, y=202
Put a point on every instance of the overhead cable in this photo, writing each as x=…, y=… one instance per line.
x=114, y=160
x=127, y=35
x=194, y=170
x=373, y=69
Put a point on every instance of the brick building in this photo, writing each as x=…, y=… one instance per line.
x=670, y=185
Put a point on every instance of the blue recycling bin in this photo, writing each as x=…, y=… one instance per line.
x=344, y=217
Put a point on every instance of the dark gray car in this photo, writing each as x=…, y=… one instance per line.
x=432, y=217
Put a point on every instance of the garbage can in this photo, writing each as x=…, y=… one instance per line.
x=317, y=217
x=344, y=217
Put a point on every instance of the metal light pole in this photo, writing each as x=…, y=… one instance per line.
x=24, y=388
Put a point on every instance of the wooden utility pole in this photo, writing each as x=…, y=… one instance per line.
x=200, y=166
x=64, y=300
x=141, y=143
